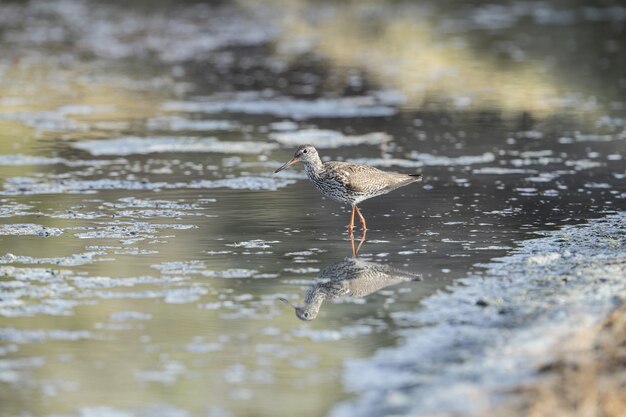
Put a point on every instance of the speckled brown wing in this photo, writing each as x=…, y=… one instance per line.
x=357, y=178
x=363, y=179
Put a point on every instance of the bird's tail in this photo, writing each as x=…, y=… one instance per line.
x=418, y=177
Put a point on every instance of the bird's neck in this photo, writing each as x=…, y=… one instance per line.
x=315, y=297
x=314, y=168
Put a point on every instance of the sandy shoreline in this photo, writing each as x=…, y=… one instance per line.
x=587, y=377
x=539, y=332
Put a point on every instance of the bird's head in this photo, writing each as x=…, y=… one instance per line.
x=304, y=153
x=306, y=312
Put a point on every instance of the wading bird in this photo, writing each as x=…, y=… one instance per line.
x=347, y=182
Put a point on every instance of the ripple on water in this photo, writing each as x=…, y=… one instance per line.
x=254, y=244
x=502, y=171
x=134, y=202
x=151, y=410
x=16, y=371
x=348, y=332
x=198, y=267
x=424, y=159
x=437, y=160
x=176, y=124
x=133, y=207
x=244, y=183
x=46, y=291
x=284, y=126
x=257, y=103
x=598, y=185
x=527, y=191
x=20, y=336
x=168, y=374
x=52, y=185
x=71, y=260
x=19, y=160
x=129, y=315
x=127, y=230
x=51, y=121
x=11, y=208
x=328, y=138
x=48, y=307
x=26, y=229
x=140, y=146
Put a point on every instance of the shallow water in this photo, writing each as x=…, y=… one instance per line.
x=146, y=244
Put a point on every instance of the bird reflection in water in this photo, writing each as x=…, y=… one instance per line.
x=357, y=248
x=351, y=277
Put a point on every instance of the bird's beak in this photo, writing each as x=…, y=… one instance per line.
x=291, y=162
x=285, y=301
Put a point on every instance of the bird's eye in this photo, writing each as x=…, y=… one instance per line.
x=304, y=151
x=306, y=315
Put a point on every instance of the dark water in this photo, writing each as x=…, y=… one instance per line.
x=146, y=243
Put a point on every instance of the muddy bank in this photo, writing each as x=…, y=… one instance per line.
x=505, y=331
x=586, y=378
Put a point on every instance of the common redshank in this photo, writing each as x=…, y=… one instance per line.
x=346, y=182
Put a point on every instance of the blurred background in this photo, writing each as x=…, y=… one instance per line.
x=145, y=241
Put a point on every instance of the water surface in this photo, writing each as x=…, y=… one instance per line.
x=146, y=244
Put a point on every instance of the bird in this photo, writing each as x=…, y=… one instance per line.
x=347, y=182
x=350, y=277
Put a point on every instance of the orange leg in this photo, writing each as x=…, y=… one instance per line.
x=351, y=225
x=363, y=225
